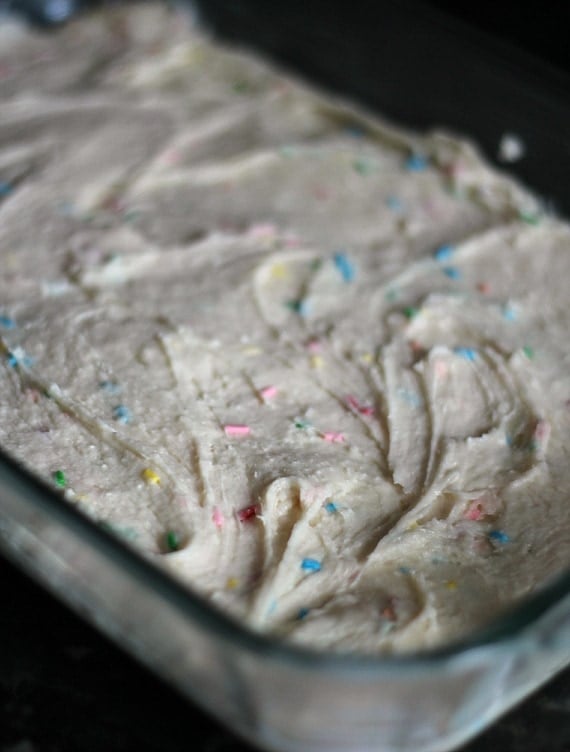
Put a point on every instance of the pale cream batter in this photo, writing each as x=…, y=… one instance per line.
x=316, y=366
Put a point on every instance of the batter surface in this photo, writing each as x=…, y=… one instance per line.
x=315, y=366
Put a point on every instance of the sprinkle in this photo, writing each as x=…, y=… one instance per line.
x=252, y=350
x=268, y=392
x=388, y=612
x=499, y=536
x=232, y=583
x=333, y=437
x=218, y=517
x=475, y=511
x=352, y=402
x=528, y=351
x=392, y=295
x=172, y=541
x=416, y=163
x=302, y=613
x=314, y=346
x=542, y=430
x=404, y=570
x=529, y=217
x=111, y=387
x=410, y=312
x=444, y=253
x=331, y=507
x=411, y=398
x=416, y=347
x=311, y=565
x=452, y=272
x=7, y=323
x=394, y=203
x=18, y=357
x=301, y=423
x=484, y=288
x=122, y=414
x=298, y=306
x=509, y=313
x=345, y=266
x=468, y=353
x=316, y=361
x=6, y=188
x=248, y=513
x=451, y=585
x=235, y=429
x=279, y=271
x=59, y=478
x=440, y=369
x=363, y=166
x=152, y=478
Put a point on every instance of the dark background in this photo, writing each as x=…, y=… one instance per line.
x=63, y=687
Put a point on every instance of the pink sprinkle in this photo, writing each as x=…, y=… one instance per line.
x=234, y=429
x=334, y=437
x=217, y=517
x=314, y=346
x=441, y=369
x=268, y=392
x=416, y=346
x=484, y=287
x=263, y=230
x=248, y=513
x=475, y=510
x=356, y=405
x=542, y=430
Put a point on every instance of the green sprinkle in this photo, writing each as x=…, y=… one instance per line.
x=528, y=351
x=59, y=478
x=300, y=423
x=172, y=541
x=529, y=218
x=363, y=166
x=410, y=312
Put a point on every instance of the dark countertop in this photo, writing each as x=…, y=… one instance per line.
x=65, y=688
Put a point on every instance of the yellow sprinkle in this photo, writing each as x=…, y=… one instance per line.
x=279, y=271
x=252, y=350
x=413, y=526
x=316, y=361
x=232, y=583
x=151, y=477
x=367, y=357
x=451, y=585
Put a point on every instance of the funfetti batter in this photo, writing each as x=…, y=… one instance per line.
x=315, y=366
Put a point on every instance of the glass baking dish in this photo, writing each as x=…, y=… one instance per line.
x=277, y=696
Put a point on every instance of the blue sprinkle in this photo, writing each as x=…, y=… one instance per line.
x=466, y=352
x=19, y=358
x=110, y=387
x=394, y=203
x=5, y=189
x=122, y=414
x=509, y=313
x=416, y=163
x=7, y=323
x=311, y=565
x=411, y=398
x=344, y=266
x=509, y=440
x=331, y=507
x=444, y=253
x=404, y=570
x=298, y=306
x=499, y=536
x=452, y=272
x=302, y=613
